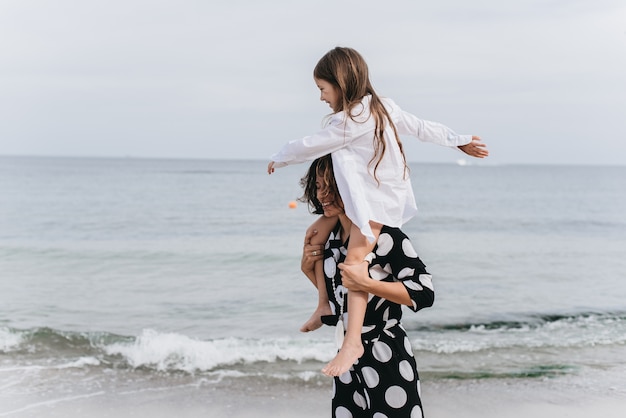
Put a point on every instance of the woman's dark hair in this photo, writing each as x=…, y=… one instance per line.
x=320, y=170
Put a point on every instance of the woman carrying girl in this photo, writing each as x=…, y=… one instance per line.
x=362, y=136
x=384, y=382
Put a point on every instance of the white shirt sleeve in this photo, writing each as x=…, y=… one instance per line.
x=332, y=138
x=427, y=131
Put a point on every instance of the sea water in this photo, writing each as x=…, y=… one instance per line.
x=125, y=270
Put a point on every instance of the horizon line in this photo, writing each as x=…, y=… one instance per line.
x=459, y=161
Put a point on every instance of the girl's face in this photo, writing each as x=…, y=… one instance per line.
x=331, y=203
x=329, y=94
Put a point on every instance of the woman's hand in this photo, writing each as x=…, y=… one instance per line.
x=310, y=253
x=355, y=276
x=476, y=148
x=270, y=167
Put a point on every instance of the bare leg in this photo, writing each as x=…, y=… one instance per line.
x=324, y=227
x=352, y=346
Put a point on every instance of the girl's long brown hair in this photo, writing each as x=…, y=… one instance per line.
x=346, y=69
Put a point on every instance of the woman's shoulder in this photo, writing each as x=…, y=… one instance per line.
x=393, y=231
x=391, y=238
x=393, y=242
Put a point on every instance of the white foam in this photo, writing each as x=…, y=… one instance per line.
x=81, y=362
x=171, y=351
x=9, y=340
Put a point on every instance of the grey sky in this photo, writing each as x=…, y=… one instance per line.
x=540, y=81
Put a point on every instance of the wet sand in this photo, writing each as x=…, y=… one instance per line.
x=444, y=399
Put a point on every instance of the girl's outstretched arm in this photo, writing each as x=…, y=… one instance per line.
x=476, y=148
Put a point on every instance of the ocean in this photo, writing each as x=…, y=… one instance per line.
x=130, y=277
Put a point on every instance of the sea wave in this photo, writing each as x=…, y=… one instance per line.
x=160, y=351
x=170, y=351
x=174, y=352
x=535, y=331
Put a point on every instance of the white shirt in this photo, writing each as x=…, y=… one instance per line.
x=390, y=201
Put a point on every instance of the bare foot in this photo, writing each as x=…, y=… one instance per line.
x=348, y=354
x=315, y=321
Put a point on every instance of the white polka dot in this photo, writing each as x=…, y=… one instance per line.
x=345, y=378
x=412, y=284
x=406, y=272
x=367, y=397
x=395, y=397
x=330, y=267
x=419, y=389
x=342, y=412
x=385, y=244
x=408, y=249
x=406, y=371
x=381, y=351
x=367, y=328
x=334, y=389
x=377, y=272
x=417, y=412
x=427, y=280
x=359, y=400
x=379, y=415
x=370, y=376
x=407, y=346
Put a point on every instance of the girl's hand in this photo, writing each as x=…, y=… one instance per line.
x=355, y=276
x=476, y=148
x=270, y=167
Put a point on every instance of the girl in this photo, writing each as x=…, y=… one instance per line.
x=371, y=173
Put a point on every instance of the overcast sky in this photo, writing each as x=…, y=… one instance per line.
x=541, y=81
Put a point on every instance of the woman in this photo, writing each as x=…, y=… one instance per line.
x=384, y=381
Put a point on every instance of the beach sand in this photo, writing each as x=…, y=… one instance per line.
x=514, y=398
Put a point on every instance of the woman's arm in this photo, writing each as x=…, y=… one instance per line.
x=356, y=277
x=407, y=267
x=412, y=285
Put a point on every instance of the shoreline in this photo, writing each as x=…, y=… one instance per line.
x=231, y=398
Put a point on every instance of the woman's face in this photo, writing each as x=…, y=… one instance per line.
x=331, y=202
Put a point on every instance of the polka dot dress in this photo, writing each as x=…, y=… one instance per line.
x=384, y=382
